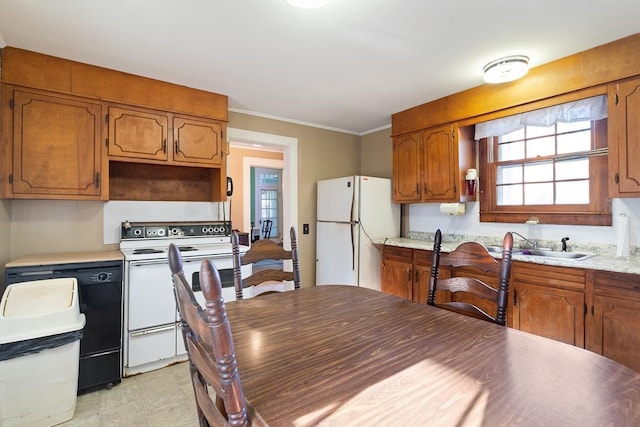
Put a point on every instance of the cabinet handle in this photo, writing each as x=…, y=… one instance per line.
x=515, y=297
x=409, y=276
x=176, y=146
x=97, y=180
x=617, y=178
x=164, y=146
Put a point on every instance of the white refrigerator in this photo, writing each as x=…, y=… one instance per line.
x=351, y=213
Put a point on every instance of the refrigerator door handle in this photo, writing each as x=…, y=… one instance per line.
x=353, y=247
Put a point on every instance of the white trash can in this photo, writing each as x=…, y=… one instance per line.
x=40, y=330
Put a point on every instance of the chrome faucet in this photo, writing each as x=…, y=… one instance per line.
x=533, y=244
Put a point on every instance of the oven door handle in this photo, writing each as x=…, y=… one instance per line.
x=150, y=262
x=151, y=331
x=184, y=260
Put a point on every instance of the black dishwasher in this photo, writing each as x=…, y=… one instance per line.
x=100, y=297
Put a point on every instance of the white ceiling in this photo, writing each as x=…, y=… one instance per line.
x=347, y=66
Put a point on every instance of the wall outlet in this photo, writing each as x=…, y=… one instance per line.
x=305, y=228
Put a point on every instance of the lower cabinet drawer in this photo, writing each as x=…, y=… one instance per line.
x=397, y=253
x=151, y=345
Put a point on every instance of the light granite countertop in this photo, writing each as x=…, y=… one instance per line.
x=601, y=261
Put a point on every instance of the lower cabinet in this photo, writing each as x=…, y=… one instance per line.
x=593, y=309
x=422, y=273
x=397, y=271
x=614, y=317
x=548, y=301
x=406, y=272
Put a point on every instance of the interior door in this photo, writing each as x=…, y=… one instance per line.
x=268, y=199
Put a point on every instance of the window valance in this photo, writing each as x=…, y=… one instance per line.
x=594, y=108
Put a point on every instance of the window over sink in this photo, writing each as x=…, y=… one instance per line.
x=547, y=165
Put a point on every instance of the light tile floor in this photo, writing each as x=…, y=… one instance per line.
x=159, y=398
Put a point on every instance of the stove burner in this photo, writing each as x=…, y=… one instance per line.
x=147, y=251
x=187, y=248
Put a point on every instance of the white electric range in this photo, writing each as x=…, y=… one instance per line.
x=152, y=338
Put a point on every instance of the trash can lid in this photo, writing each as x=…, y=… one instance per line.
x=39, y=308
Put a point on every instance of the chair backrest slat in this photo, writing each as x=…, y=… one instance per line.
x=472, y=256
x=264, y=250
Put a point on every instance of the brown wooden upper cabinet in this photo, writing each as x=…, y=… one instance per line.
x=160, y=141
x=407, y=167
x=198, y=141
x=624, y=138
x=141, y=135
x=440, y=164
x=429, y=165
x=56, y=146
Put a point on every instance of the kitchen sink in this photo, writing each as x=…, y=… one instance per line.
x=547, y=253
x=575, y=256
x=498, y=250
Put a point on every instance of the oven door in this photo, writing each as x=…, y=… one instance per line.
x=224, y=265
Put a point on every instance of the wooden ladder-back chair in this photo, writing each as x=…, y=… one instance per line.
x=473, y=256
x=267, y=279
x=266, y=228
x=209, y=344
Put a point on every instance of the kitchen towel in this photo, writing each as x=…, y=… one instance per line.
x=624, y=236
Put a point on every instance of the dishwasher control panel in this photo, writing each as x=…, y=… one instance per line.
x=85, y=273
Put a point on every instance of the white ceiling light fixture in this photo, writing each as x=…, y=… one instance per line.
x=506, y=69
x=307, y=4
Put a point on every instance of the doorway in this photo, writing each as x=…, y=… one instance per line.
x=266, y=209
x=289, y=167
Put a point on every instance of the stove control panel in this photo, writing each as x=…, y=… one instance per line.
x=155, y=230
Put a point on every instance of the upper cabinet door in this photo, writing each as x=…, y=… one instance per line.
x=440, y=171
x=624, y=139
x=197, y=141
x=428, y=164
x=137, y=134
x=56, y=146
x=406, y=168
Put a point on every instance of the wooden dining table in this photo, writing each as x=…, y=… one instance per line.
x=349, y=356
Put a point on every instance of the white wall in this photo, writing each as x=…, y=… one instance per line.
x=426, y=217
